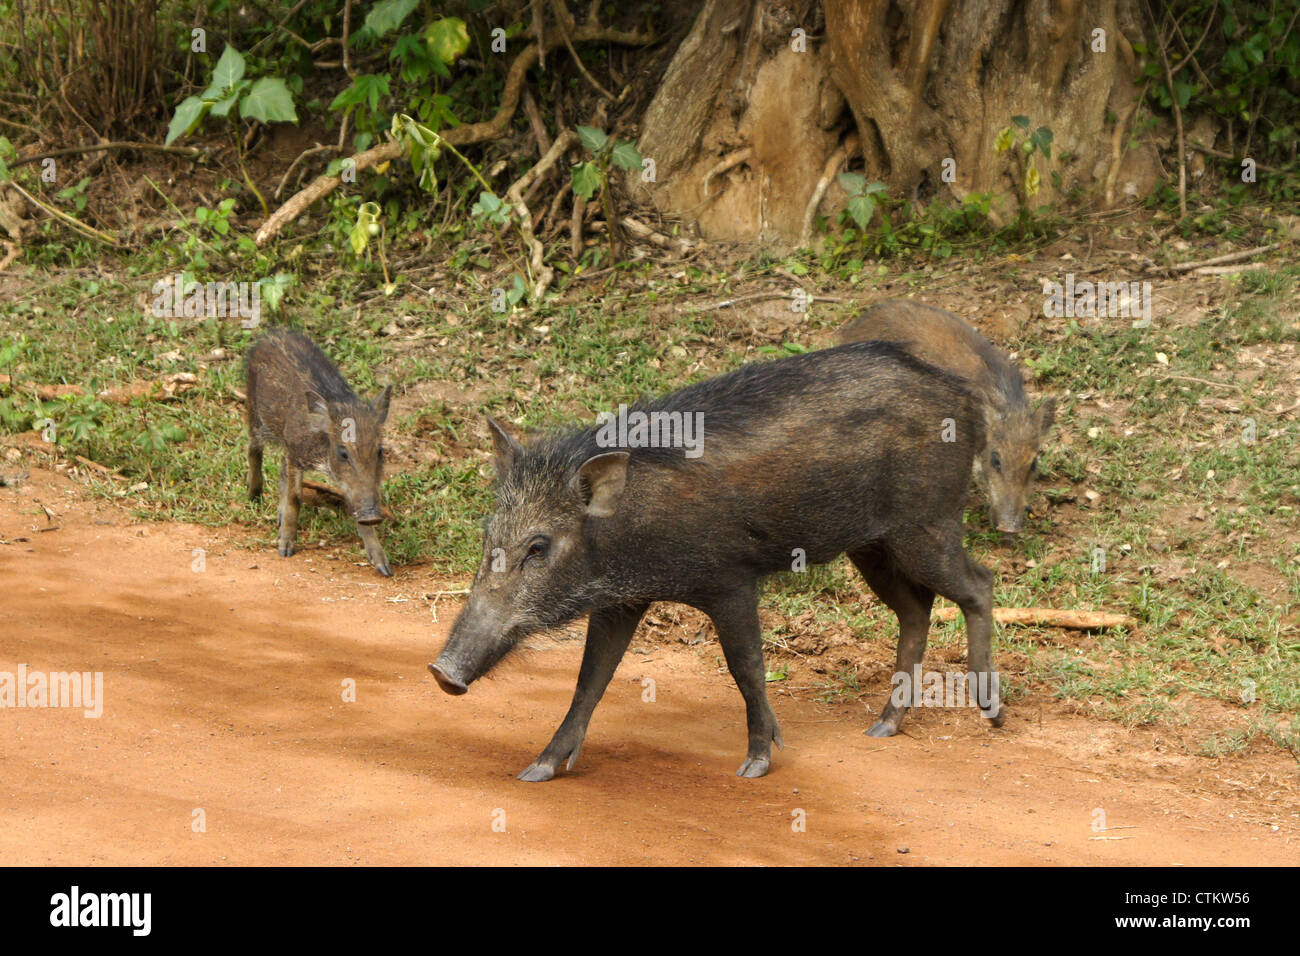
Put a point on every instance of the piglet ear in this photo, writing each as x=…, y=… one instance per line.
x=601, y=480
x=318, y=414
x=1046, y=413
x=380, y=404
x=505, y=446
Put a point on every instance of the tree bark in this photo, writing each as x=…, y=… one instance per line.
x=925, y=84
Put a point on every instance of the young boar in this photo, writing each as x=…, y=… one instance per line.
x=861, y=449
x=298, y=399
x=1004, y=468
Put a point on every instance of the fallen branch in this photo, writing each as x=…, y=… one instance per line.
x=457, y=136
x=1228, y=270
x=63, y=217
x=641, y=231
x=189, y=151
x=1048, y=617
x=1222, y=260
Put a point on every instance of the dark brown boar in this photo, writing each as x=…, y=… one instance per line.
x=861, y=449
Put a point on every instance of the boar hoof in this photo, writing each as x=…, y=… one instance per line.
x=384, y=569
x=882, y=729
x=537, y=773
x=997, y=719
x=286, y=549
x=754, y=767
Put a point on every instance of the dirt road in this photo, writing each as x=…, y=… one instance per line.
x=224, y=707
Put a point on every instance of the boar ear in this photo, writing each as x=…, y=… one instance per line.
x=601, y=480
x=505, y=446
x=380, y=404
x=318, y=414
x=1046, y=413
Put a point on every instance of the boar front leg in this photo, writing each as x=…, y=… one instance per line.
x=290, y=503
x=374, y=550
x=736, y=618
x=609, y=632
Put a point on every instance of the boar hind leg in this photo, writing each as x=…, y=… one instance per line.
x=736, y=618
x=254, y=469
x=951, y=572
x=290, y=503
x=609, y=632
x=911, y=603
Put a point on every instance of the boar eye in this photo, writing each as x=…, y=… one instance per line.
x=996, y=461
x=343, y=453
x=537, y=548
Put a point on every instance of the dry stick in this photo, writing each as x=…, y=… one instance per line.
x=641, y=231
x=294, y=165
x=543, y=275
x=575, y=225
x=458, y=136
x=1178, y=122
x=1222, y=260
x=727, y=162
x=837, y=159
x=566, y=27
x=189, y=151
x=1048, y=617
x=535, y=121
x=1228, y=270
x=63, y=217
x=759, y=296
x=1222, y=155
x=560, y=194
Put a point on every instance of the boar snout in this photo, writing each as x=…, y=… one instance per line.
x=446, y=681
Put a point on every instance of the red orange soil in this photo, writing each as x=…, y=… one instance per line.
x=224, y=693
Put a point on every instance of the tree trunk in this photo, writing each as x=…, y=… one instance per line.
x=763, y=93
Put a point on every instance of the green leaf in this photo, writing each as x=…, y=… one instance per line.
x=592, y=138
x=447, y=38
x=853, y=183
x=862, y=208
x=272, y=290
x=490, y=207
x=586, y=180
x=224, y=106
x=387, y=15
x=269, y=101
x=1021, y=121
x=626, y=156
x=1043, y=140
x=517, y=290
x=228, y=71
x=186, y=118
